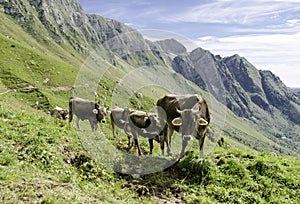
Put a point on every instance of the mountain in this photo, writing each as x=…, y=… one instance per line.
x=171, y=46
x=66, y=24
x=51, y=50
x=296, y=90
x=61, y=29
x=256, y=95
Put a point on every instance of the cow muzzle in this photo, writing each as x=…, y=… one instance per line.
x=103, y=121
x=187, y=137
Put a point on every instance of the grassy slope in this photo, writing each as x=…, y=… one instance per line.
x=48, y=163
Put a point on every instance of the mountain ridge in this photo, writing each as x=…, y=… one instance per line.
x=233, y=81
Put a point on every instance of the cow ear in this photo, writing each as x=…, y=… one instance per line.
x=95, y=111
x=177, y=121
x=202, y=122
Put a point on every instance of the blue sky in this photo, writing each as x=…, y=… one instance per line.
x=267, y=33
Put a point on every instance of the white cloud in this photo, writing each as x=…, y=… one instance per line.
x=293, y=22
x=275, y=52
x=241, y=12
x=288, y=73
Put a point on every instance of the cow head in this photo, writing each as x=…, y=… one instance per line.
x=189, y=121
x=100, y=113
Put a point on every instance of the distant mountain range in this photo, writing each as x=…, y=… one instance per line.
x=256, y=97
x=296, y=90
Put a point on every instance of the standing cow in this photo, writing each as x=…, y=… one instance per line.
x=145, y=125
x=86, y=110
x=119, y=117
x=188, y=114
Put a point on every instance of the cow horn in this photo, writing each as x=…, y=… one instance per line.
x=196, y=111
x=203, y=122
x=95, y=111
x=179, y=111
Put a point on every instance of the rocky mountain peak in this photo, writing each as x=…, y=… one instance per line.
x=248, y=91
x=280, y=96
x=171, y=46
x=245, y=73
x=65, y=22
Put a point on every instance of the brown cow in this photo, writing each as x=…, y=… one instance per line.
x=145, y=125
x=86, y=110
x=187, y=114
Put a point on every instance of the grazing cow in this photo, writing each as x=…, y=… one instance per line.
x=119, y=117
x=86, y=110
x=143, y=124
x=188, y=114
x=59, y=113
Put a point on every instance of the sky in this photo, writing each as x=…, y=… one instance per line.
x=266, y=33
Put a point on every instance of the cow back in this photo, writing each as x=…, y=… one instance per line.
x=82, y=108
x=139, y=119
x=119, y=116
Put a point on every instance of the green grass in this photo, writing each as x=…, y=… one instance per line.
x=48, y=163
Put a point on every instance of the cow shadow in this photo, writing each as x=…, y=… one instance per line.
x=162, y=184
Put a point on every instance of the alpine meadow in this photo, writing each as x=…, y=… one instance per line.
x=52, y=50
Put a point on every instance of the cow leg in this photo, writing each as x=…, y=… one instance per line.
x=151, y=145
x=93, y=124
x=129, y=141
x=136, y=142
x=70, y=112
x=162, y=147
x=201, y=143
x=113, y=128
x=70, y=117
x=94, y=127
x=162, y=140
x=77, y=123
x=169, y=141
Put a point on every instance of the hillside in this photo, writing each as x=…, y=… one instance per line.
x=47, y=163
x=51, y=50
